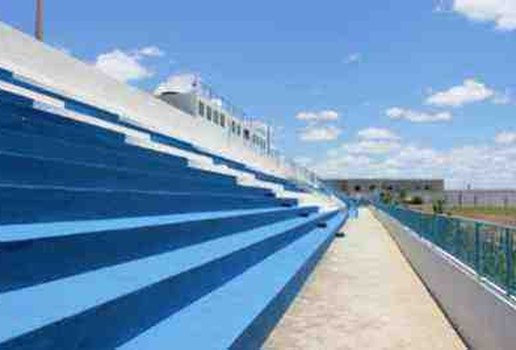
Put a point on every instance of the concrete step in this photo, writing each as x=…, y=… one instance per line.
x=109, y=306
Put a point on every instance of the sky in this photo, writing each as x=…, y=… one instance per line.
x=369, y=88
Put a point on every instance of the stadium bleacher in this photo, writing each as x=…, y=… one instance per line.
x=105, y=244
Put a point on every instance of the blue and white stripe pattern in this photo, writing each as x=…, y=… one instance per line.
x=104, y=244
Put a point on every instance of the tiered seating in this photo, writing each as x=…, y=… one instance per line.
x=104, y=244
x=107, y=116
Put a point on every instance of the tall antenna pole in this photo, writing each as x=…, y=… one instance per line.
x=39, y=20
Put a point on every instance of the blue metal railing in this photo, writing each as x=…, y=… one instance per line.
x=487, y=248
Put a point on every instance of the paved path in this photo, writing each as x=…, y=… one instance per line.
x=364, y=295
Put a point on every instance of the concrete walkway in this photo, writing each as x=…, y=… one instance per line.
x=364, y=295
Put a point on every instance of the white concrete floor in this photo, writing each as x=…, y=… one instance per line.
x=364, y=295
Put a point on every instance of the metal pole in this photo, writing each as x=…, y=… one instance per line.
x=39, y=20
x=508, y=261
x=477, y=249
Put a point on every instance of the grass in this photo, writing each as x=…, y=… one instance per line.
x=495, y=211
x=499, y=215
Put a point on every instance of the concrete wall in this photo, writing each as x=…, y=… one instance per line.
x=427, y=189
x=483, y=317
x=472, y=198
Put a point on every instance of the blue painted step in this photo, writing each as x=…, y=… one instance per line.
x=236, y=315
x=129, y=158
x=45, y=124
x=23, y=170
x=34, y=121
x=27, y=262
x=259, y=175
x=296, y=269
x=81, y=133
x=7, y=97
x=43, y=204
x=70, y=103
x=105, y=308
x=123, y=157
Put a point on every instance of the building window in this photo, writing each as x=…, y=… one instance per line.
x=233, y=127
x=222, y=120
x=239, y=130
x=428, y=187
x=216, y=117
x=201, y=108
x=208, y=113
x=246, y=134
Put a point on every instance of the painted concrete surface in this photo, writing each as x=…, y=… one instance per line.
x=364, y=295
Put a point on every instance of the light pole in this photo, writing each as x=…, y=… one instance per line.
x=39, y=20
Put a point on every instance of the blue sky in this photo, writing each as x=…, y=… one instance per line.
x=356, y=88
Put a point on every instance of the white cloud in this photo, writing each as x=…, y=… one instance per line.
x=370, y=147
x=318, y=116
x=122, y=66
x=503, y=98
x=469, y=164
x=501, y=12
x=127, y=66
x=457, y=96
x=377, y=134
x=303, y=160
x=506, y=138
x=317, y=133
x=353, y=58
x=151, y=51
x=182, y=83
x=417, y=116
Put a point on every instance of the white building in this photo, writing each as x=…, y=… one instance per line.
x=188, y=94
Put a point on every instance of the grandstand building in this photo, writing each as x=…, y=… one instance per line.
x=125, y=217
x=198, y=100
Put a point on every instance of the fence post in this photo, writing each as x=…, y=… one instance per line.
x=477, y=249
x=422, y=227
x=508, y=261
x=456, y=237
x=434, y=229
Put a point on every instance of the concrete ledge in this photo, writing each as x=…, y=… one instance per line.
x=483, y=316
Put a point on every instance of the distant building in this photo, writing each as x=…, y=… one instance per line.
x=427, y=189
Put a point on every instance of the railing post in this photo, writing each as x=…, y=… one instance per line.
x=435, y=226
x=508, y=261
x=477, y=249
x=456, y=236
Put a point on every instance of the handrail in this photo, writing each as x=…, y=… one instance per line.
x=486, y=247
